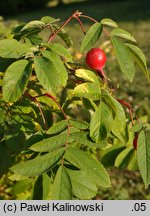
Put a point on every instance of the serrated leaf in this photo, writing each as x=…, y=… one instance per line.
x=57, y=127
x=137, y=127
x=11, y=48
x=109, y=155
x=21, y=186
x=58, y=65
x=109, y=22
x=33, y=25
x=100, y=123
x=121, y=33
x=124, y=58
x=91, y=37
x=87, y=90
x=35, y=40
x=143, y=154
x=133, y=164
x=139, y=58
x=64, y=36
x=82, y=125
x=50, y=71
x=39, y=165
x=87, y=75
x=62, y=189
x=88, y=165
x=81, y=138
x=48, y=19
x=50, y=144
x=59, y=50
x=124, y=157
x=82, y=186
x=119, y=122
x=47, y=186
x=15, y=80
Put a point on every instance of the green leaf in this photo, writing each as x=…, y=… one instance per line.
x=133, y=164
x=143, y=154
x=82, y=186
x=87, y=90
x=33, y=25
x=50, y=71
x=139, y=58
x=91, y=37
x=10, y=48
x=82, y=125
x=47, y=186
x=48, y=19
x=119, y=122
x=57, y=127
x=121, y=33
x=21, y=186
x=62, y=189
x=124, y=157
x=64, y=36
x=124, y=58
x=59, y=50
x=81, y=138
x=109, y=22
x=39, y=165
x=88, y=165
x=87, y=75
x=109, y=154
x=50, y=144
x=16, y=79
x=137, y=127
x=100, y=123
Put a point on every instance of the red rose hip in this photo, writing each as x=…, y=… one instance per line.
x=96, y=59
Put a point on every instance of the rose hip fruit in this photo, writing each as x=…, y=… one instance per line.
x=96, y=59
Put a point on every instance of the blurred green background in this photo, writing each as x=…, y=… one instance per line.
x=133, y=16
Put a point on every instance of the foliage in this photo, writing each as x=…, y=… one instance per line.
x=46, y=146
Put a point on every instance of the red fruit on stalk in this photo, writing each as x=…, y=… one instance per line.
x=135, y=141
x=96, y=59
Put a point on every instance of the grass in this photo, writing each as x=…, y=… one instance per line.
x=133, y=16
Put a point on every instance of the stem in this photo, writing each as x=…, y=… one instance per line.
x=81, y=25
x=94, y=20
x=55, y=100
x=88, y=17
x=76, y=14
x=38, y=105
x=64, y=114
x=104, y=77
x=131, y=110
